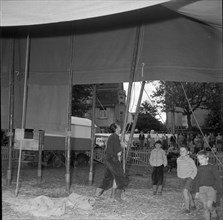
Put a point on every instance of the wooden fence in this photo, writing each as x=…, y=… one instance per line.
x=5, y=156
x=141, y=158
x=135, y=157
x=138, y=158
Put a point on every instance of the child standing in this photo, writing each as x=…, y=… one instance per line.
x=186, y=171
x=207, y=184
x=158, y=161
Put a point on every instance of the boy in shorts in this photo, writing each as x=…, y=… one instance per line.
x=186, y=171
x=158, y=161
x=208, y=182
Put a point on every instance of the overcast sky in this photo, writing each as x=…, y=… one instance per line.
x=149, y=88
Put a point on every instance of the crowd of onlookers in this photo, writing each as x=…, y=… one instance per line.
x=195, y=142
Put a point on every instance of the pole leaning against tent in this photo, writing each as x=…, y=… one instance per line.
x=135, y=119
x=69, y=110
x=92, y=135
x=11, y=107
x=131, y=80
x=23, y=107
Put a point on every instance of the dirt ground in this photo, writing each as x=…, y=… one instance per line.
x=138, y=201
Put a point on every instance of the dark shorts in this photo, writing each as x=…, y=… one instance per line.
x=186, y=183
x=157, y=175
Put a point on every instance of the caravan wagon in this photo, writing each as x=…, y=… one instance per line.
x=54, y=144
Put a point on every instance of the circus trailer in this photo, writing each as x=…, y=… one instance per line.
x=54, y=149
x=54, y=145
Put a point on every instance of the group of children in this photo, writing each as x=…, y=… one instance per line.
x=205, y=178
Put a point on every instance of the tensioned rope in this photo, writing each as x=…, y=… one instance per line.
x=154, y=106
x=159, y=114
x=199, y=125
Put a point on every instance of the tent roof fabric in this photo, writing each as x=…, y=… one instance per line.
x=23, y=12
x=172, y=48
x=207, y=11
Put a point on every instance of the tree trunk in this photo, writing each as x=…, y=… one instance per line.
x=189, y=121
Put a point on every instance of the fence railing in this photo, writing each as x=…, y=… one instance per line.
x=5, y=154
x=138, y=158
x=135, y=157
x=141, y=158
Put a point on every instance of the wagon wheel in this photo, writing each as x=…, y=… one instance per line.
x=57, y=161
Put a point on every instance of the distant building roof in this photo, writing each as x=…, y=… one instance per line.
x=108, y=94
x=107, y=98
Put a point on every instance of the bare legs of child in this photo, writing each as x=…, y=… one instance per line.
x=207, y=196
x=189, y=202
x=209, y=210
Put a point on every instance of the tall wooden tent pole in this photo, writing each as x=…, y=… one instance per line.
x=69, y=110
x=131, y=80
x=135, y=118
x=92, y=135
x=11, y=111
x=23, y=106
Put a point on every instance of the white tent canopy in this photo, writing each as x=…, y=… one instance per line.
x=16, y=12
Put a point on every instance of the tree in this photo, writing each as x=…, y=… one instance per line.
x=81, y=94
x=147, y=118
x=169, y=95
x=146, y=108
x=214, y=121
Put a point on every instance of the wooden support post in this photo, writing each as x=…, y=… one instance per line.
x=69, y=110
x=92, y=135
x=131, y=79
x=68, y=140
x=11, y=108
x=135, y=119
x=23, y=108
x=41, y=142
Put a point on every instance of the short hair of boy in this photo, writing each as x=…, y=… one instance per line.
x=203, y=153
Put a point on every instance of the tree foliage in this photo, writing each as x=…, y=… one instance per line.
x=81, y=94
x=147, y=118
x=169, y=95
x=214, y=121
x=146, y=108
